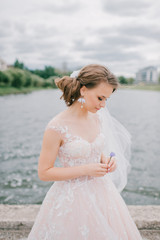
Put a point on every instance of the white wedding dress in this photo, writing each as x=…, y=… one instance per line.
x=84, y=208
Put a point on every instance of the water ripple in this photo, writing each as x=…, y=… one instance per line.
x=23, y=120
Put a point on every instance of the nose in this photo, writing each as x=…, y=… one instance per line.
x=103, y=104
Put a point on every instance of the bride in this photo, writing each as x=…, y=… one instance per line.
x=84, y=202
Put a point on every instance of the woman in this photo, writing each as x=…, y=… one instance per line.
x=84, y=203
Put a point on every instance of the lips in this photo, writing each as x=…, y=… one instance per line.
x=97, y=108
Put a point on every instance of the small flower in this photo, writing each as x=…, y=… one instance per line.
x=112, y=154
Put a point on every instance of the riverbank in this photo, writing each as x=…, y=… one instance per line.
x=16, y=220
x=141, y=86
x=12, y=90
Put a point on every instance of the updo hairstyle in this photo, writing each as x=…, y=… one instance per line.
x=89, y=76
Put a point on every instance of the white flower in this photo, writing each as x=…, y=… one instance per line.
x=75, y=74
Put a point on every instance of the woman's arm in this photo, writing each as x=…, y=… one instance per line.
x=46, y=170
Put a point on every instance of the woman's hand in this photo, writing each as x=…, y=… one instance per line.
x=111, y=163
x=95, y=169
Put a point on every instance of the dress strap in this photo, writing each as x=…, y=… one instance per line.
x=58, y=128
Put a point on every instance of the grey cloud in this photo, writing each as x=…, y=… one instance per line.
x=5, y=29
x=114, y=55
x=3, y=48
x=107, y=42
x=119, y=40
x=4, y=32
x=20, y=28
x=42, y=31
x=24, y=46
x=33, y=30
x=31, y=46
x=67, y=7
x=110, y=48
x=125, y=7
x=132, y=34
x=54, y=59
x=143, y=31
x=30, y=38
x=32, y=43
x=39, y=39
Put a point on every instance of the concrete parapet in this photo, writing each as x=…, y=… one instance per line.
x=16, y=220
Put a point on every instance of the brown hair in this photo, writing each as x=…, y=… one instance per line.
x=89, y=76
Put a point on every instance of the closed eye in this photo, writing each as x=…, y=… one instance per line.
x=101, y=99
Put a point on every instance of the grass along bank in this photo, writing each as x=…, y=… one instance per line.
x=14, y=81
x=142, y=86
x=12, y=90
x=6, y=90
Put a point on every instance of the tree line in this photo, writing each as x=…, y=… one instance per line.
x=19, y=76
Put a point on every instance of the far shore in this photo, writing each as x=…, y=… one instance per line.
x=12, y=90
x=142, y=86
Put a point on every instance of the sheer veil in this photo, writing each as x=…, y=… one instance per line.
x=118, y=140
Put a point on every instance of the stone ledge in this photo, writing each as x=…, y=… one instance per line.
x=18, y=219
x=146, y=217
x=23, y=216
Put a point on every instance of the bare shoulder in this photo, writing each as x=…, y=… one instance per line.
x=57, y=118
x=52, y=134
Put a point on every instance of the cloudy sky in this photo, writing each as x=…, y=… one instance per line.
x=123, y=35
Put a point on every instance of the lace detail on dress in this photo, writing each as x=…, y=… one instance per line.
x=84, y=208
x=76, y=150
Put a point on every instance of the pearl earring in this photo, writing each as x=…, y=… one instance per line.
x=81, y=100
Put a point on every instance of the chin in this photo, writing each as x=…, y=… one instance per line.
x=93, y=110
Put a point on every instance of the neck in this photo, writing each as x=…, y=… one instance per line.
x=76, y=110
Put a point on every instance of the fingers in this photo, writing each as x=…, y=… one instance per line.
x=103, y=165
x=103, y=159
x=103, y=169
x=112, y=165
x=111, y=161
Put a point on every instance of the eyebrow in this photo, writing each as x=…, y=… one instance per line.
x=105, y=97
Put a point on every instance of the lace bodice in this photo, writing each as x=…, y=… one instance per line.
x=75, y=150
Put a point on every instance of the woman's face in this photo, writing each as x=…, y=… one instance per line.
x=95, y=98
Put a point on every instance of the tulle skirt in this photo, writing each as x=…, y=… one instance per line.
x=86, y=208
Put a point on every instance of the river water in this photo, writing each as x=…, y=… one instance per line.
x=23, y=119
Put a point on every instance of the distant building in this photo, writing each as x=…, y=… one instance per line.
x=3, y=65
x=148, y=75
x=64, y=67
